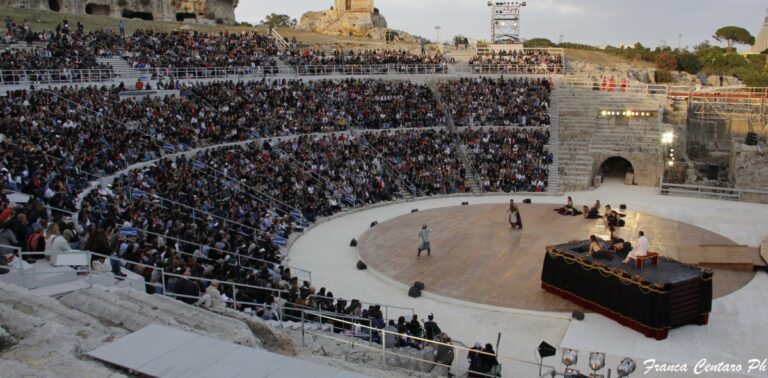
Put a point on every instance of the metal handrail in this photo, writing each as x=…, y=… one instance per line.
x=56, y=76
x=712, y=192
x=385, y=307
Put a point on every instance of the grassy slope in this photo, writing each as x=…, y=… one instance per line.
x=601, y=58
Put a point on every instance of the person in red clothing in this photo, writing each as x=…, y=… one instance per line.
x=623, y=85
x=603, y=86
x=611, y=84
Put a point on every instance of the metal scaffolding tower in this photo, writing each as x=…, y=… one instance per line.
x=505, y=21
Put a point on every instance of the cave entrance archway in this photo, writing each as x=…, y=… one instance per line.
x=54, y=5
x=181, y=16
x=97, y=9
x=616, y=167
x=146, y=16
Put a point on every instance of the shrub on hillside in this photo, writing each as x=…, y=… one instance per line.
x=666, y=61
x=689, y=63
x=663, y=76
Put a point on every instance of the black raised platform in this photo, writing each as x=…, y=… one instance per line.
x=651, y=300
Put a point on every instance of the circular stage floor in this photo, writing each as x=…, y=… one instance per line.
x=477, y=257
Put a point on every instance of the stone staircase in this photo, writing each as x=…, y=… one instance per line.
x=585, y=140
x=121, y=67
x=459, y=147
x=553, y=147
x=283, y=68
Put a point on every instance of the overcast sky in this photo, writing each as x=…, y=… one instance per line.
x=596, y=22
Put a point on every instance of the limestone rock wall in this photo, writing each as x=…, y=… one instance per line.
x=749, y=168
x=588, y=140
x=362, y=20
x=157, y=10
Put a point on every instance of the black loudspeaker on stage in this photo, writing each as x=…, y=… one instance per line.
x=465, y=203
x=527, y=201
x=578, y=315
x=622, y=207
x=374, y=223
x=419, y=285
x=361, y=265
x=414, y=292
x=415, y=211
x=353, y=243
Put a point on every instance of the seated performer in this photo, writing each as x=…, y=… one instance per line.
x=591, y=213
x=617, y=243
x=597, y=251
x=640, y=248
x=611, y=217
x=568, y=209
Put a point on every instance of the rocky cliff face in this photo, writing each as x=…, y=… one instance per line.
x=222, y=11
x=357, y=24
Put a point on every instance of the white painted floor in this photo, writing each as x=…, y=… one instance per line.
x=736, y=332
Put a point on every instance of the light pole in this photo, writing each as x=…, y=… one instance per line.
x=439, y=46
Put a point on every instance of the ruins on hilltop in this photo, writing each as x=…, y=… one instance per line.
x=208, y=11
x=357, y=18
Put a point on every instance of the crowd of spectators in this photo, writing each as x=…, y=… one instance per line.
x=309, y=61
x=498, y=102
x=426, y=160
x=184, y=49
x=64, y=53
x=510, y=160
x=527, y=61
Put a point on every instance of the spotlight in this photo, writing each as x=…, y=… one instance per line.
x=671, y=163
x=545, y=350
x=626, y=367
x=570, y=357
x=668, y=137
x=596, y=361
x=604, y=113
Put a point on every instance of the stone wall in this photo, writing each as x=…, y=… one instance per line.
x=157, y=10
x=587, y=140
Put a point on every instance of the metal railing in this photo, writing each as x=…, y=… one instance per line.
x=713, y=192
x=206, y=72
x=57, y=76
x=351, y=330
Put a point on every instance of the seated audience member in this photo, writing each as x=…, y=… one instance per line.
x=489, y=363
x=431, y=330
x=639, y=249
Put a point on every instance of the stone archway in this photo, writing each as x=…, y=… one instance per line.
x=54, y=5
x=616, y=167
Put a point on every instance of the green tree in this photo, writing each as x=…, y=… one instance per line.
x=663, y=76
x=538, y=42
x=666, y=61
x=733, y=35
x=689, y=63
x=278, y=20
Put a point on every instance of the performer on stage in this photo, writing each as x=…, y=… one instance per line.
x=596, y=250
x=424, y=236
x=515, y=221
x=617, y=243
x=568, y=209
x=640, y=248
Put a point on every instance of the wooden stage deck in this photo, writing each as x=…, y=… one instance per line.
x=477, y=257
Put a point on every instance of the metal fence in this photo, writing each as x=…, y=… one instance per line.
x=59, y=76
x=713, y=192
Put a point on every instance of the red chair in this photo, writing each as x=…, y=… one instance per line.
x=653, y=256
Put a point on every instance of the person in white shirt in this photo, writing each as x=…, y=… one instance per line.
x=639, y=249
x=425, y=244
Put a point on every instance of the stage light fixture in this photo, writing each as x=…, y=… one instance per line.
x=671, y=163
x=626, y=367
x=605, y=113
x=596, y=361
x=668, y=137
x=570, y=357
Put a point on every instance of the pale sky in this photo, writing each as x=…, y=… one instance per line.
x=596, y=22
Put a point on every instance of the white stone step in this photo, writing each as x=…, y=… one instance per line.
x=62, y=288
